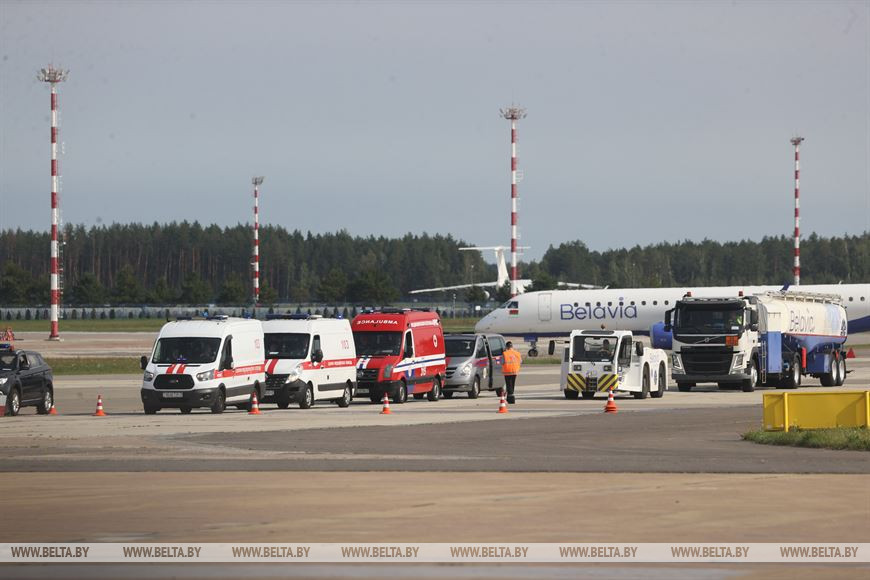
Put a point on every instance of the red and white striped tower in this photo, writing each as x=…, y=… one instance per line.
x=257, y=181
x=53, y=76
x=796, y=141
x=513, y=114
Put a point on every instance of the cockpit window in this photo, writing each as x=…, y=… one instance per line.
x=510, y=304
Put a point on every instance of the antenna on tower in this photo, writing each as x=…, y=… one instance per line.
x=513, y=114
x=53, y=76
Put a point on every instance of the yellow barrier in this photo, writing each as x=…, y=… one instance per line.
x=816, y=410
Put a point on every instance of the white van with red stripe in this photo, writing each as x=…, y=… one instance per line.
x=204, y=363
x=308, y=359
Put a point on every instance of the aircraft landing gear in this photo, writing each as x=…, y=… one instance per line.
x=533, y=348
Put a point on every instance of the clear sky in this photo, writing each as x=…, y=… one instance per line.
x=647, y=121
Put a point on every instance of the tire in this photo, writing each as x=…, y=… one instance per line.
x=829, y=379
x=47, y=401
x=375, y=399
x=220, y=402
x=13, y=403
x=749, y=384
x=283, y=401
x=475, y=389
x=150, y=409
x=644, y=390
x=185, y=410
x=533, y=352
x=663, y=384
x=842, y=369
x=684, y=387
x=447, y=394
x=306, y=401
x=435, y=393
x=345, y=399
x=793, y=379
x=401, y=393
x=588, y=395
x=571, y=395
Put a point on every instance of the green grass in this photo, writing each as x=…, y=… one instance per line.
x=108, y=325
x=94, y=366
x=852, y=438
x=541, y=360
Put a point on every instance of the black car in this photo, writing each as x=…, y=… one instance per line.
x=25, y=380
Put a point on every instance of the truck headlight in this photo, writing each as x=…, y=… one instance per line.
x=147, y=377
x=294, y=374
x=359, y=373
x=205, y=375
x=388, y=371
x=676, y=362
x=608, y=368
x=465, y=370
x=738, y=361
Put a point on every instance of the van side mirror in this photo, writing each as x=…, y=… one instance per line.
x=753, y=318
x=638, y=348
x=551, y=350
x=143, y=362
x=317, y=356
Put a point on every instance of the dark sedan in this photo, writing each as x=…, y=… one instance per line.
x=25, y=380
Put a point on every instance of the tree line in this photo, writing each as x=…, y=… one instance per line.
x=194, y=264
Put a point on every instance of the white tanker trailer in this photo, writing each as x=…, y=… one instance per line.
x=767, y=339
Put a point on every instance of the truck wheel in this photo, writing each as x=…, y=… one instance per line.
x=588, y=395
x=685, y=387
x=306, y=401
x=13, y=405
x=346, y=396
x=793, y=378
x=572, y=395
x=47, y=401
x=644, y=390
x=829, y=379
x=435, y=393
x=663, y=384
x=841, y=369
x=475, y=389
x=749, y=384
x=401, y=393
x=220, y=402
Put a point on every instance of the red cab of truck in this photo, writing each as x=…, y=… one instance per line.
x=400, y=352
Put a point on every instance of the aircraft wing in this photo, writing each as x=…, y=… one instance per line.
x=459, y=287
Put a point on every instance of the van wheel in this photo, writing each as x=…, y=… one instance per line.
x=685, y=387
x=663, y=384
x=307, y=399
x=344, y=401
x=13, y=405
x=749, y=384
x=283, y=399
x=220, y=402
x=150, y=409
x=185, y=410
x=435, y=393
x=572, y=395
x=475, y=389
x=401, y=393
x=47, y=401
x=644, y=389
x=447, y=394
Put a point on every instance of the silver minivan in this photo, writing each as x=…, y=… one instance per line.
x=473, y=363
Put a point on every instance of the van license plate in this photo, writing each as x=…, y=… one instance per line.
x=270, y=393
x=172, y=395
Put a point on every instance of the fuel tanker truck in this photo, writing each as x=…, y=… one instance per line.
x=772, y=339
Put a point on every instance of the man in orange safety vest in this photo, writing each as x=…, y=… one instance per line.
x=511, y=368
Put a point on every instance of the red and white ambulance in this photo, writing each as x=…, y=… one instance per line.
x=400, y=352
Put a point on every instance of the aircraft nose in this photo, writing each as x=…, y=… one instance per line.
x=485, y=323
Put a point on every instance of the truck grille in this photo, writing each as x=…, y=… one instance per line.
x=370, y=375
x=173, y=382
x=275, y=381
x=707, y=361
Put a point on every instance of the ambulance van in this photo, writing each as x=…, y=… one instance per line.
x=308, y=359
x=204, y=363
x=400, y=352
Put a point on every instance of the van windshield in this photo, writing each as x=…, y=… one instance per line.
x=292, y=345
x=195, y=350
x=378, y=343
x=459, y=346
x=593, y=348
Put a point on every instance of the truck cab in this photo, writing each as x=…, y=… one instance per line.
x=597, y=361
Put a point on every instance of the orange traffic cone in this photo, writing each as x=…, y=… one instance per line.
x=100, y=412
x=53, y=410
x=502, y=402
x=610, y=407
x=851, y=353
x=255, y=406
x=386, y=409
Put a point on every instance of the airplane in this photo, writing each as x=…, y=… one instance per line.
x=556, y=313
x=502, y=276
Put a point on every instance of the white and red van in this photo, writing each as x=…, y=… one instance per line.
x=308, y=359
x=400, y=352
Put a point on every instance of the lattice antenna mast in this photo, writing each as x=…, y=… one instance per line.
x=513, y=114
x=53, y=76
